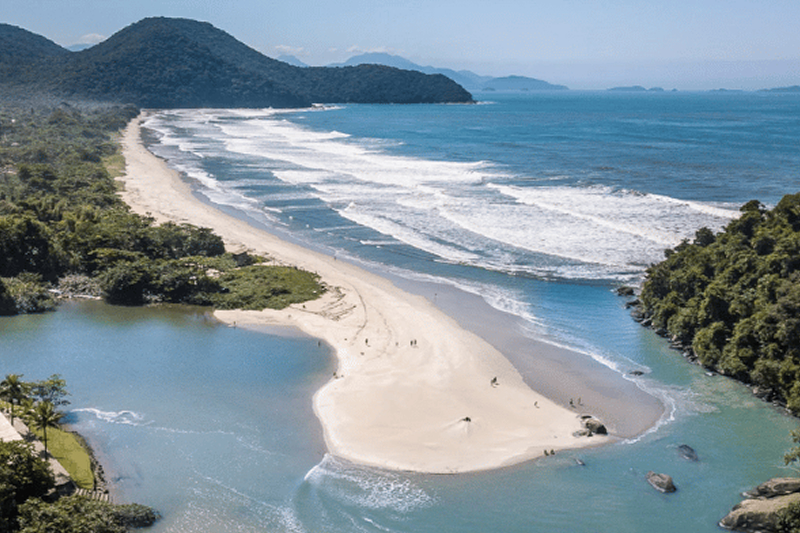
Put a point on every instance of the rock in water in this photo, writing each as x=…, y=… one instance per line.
x=661, y=482
x=760, y=513
x=758, y=516
x=687, y=452
x=778, y=486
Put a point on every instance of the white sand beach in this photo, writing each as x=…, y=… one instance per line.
x=413, y=390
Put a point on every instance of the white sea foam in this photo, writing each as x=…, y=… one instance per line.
x=406, y=235
x=130, y=418
x=368, y=488
x=459, y=212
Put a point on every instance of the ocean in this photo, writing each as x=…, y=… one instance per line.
x=536, y=205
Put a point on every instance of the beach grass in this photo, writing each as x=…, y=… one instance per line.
x=114, y=163
x=67, y=448
x=257, y=287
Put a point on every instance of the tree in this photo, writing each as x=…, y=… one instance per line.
x=52, y=389
x=25, y=247
x=22, y=476
x=13, y=390
x=7, y=305
x=793, y=455
x=789, y=519
x=45, y=416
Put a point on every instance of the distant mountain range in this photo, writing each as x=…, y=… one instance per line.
x=292, y=60
x=467, y=79
x=166, y=62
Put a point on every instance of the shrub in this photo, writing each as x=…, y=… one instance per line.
x=30, y=293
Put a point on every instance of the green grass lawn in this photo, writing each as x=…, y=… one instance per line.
x=69, y=451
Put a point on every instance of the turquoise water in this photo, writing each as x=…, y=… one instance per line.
x=212, y=425
x=538, y=205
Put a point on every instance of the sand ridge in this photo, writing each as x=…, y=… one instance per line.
x=412, y=390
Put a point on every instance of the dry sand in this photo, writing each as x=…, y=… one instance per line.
x=413, y=390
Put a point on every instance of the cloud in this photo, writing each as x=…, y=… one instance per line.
x=297, y=51
x=91, y=38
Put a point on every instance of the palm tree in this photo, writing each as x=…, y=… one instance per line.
x=13, y=389
x=45, y=416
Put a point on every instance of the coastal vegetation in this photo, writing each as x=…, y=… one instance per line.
x=165, y=62
x=29, y=502
x=732, y=300
x=37, y=403
x=64, y=230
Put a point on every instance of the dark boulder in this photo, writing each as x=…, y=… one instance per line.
x=687, y=452
x=625, y=291
x=594, y=426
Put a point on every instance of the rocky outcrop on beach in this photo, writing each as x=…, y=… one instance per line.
x=591, y=426
x=761, y=511
x=595, y=426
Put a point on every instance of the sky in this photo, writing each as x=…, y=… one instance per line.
x=584, y=44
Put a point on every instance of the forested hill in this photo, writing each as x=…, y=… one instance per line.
x=732, y=300
x=164, y=62
x=19, y=48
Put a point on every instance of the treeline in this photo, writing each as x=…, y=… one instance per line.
x=732, y=300
x=64, y=230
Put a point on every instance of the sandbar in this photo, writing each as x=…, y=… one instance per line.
x=413, y=389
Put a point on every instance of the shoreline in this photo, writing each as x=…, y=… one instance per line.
x=413, y=390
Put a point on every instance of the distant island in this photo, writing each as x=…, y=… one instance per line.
x=791, y=89
x=521, y=83
x=465, y=78
x=168, y=63
x=636, y=89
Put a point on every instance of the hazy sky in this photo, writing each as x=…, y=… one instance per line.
x=584, y=44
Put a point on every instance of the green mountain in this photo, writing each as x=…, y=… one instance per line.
x=19, y=48
x=164, y=62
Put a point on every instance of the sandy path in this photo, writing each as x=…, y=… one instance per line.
x=413, y=390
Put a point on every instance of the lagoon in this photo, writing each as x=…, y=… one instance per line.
x=213, y=426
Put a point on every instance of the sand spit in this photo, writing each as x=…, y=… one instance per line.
x=413, y=390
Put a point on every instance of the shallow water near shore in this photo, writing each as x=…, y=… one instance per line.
x=212, y=425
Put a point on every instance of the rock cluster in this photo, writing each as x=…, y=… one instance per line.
x=591, y=426
x=760, y=511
